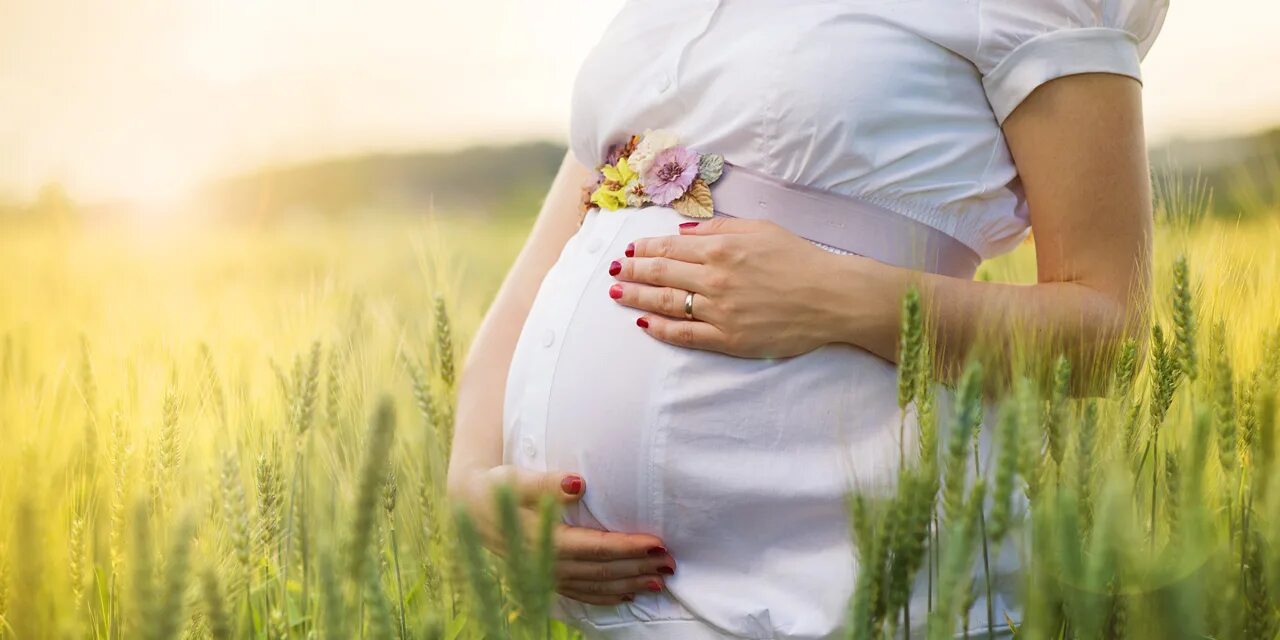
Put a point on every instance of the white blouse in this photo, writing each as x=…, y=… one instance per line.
x=742, y=466
x=897, y=101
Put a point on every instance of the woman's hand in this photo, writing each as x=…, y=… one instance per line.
x=1082, y=161
x=760, y=291
x=593, y=566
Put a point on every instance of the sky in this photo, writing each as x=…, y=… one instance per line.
x=144, y=99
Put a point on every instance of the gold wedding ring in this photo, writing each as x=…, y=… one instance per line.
x=688, y=306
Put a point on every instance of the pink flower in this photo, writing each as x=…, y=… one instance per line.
x=615, y=152
x=671, y=173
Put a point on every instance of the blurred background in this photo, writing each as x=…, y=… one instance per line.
x=265, y=159
x=219, y=220
x=255, y=110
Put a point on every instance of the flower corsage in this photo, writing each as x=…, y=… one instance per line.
x=654, y=168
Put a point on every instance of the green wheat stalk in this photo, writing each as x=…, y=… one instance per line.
x=1006, y=472
x=909, y=344
x=390, y=492
x=957, y=557
x=485, y=590
x=1184, y=320
x=215, y=605
x=956, y=462
x=371, y=479
x=1056, y=414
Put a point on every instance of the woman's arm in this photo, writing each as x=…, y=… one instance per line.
x=1079, y=147
x=593, y=566
x=477, y=444
x=1078, y=144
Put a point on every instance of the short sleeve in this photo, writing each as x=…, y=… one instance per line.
x=1023, y=44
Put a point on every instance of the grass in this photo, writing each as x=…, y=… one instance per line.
x=241, y=433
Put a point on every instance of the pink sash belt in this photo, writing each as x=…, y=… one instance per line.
x=843, y=222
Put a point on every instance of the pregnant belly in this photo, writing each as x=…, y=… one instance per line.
x=740, y=466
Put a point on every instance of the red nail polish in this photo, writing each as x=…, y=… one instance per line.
x=615, y=291
x=642, y=323
x=688, y=225
x=571, y=485
x=658, y=551
x=615, y=267
x=653, y=585
x=631, y=250
x=666, y=571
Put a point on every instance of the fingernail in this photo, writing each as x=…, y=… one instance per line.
x=658, y=551
x=653, y=585
x=667, y=571
x=631, y=250
x=615, y=291
x=642, y=323
x=572, y=485
x=688, y=225
x=628, y=598
x=615, y=267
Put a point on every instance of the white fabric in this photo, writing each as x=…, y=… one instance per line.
x=896, y=101
x=741, y=466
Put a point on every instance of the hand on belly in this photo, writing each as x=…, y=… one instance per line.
x=589, y=393
x=746, y=288
x=688, y=446
x=593, y=566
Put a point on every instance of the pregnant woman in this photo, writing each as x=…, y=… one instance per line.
x=703, y=392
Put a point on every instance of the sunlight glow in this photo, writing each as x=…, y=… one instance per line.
x=147, y=99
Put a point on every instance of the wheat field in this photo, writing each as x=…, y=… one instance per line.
x=233, y=432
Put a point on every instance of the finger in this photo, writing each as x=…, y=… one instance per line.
x=721, y=225
x=615, y=569
x=530, y=523
x=685, y=249
x=662, y=272
x=580, y=543
x=613, y=587
x=529, y=486
x=664, y=300
x=692, y=334
x=591, y=598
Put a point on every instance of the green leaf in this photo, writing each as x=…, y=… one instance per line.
x=710, y=167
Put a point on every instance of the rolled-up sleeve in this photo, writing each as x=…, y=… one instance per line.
x=1026, y=43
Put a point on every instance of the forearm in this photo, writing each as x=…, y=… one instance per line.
x=477, y=442
x=1074, y=319
x=763, y=292
x=478, y=435
x=1081, y=158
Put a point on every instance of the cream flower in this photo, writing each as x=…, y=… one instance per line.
x=635, y=195
x=651, y=143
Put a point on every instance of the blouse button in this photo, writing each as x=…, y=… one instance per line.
x=665, y=83
x=527, y=444
x=594, y=245
x=548, y=338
